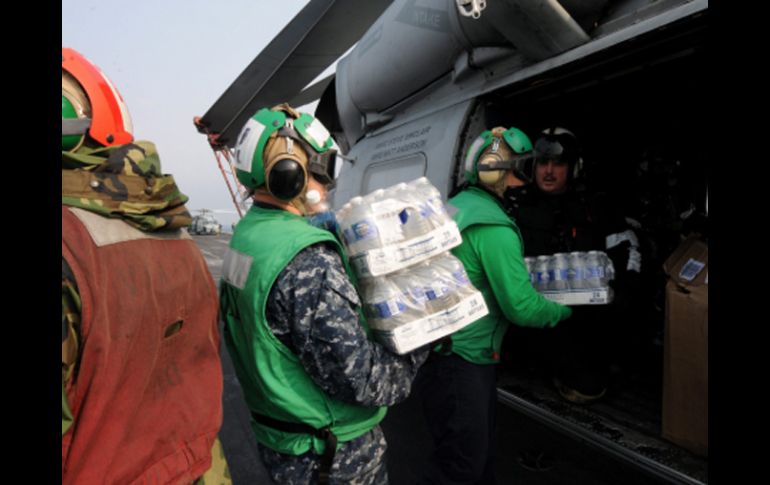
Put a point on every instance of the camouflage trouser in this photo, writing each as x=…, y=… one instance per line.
x=218, y=474
x=358, y=462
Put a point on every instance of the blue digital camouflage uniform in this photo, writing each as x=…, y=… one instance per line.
x=313, y=309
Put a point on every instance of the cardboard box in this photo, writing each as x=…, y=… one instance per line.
x=409, y=336
x=685, y=352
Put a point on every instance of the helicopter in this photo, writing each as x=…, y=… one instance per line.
x=416, y=81
x=204, y=223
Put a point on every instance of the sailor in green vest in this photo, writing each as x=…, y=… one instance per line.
x=457, y=384
x=316, y=385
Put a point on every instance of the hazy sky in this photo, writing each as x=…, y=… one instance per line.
x=171, y=60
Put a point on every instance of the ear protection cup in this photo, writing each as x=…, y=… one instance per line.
x=577, y=170
x=285, y=168
x=491, y=177
x=497, y=152
x=286, y=179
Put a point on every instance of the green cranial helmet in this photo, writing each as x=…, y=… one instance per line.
x=515, y=139
x=268, y=124
x=68, y=112
x=249, y=166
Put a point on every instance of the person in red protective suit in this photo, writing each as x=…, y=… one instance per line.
x=141, y=375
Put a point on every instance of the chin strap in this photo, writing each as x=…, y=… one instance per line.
x=298, y=203
x=500, y=188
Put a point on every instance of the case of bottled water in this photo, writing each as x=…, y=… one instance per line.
x=421, y=303
x=414, y=291
x=393, y=228
x=576, y=278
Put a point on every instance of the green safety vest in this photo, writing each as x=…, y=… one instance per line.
x=480, y=341
x=274, y=382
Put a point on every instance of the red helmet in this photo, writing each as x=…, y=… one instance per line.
x=91, y=105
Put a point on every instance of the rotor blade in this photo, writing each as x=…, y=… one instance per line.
x=316, y=37
x=312, y=92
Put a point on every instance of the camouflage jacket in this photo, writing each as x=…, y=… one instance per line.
x=124, y=182
x=313, y=309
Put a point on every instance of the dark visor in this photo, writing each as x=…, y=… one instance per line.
x=543, y=159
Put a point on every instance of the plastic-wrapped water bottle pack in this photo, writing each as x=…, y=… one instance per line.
x=573, y=278
x=414, y=291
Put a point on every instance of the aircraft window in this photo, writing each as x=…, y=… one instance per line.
x=384, y=174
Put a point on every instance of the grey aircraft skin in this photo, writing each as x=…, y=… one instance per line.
x=422, y=81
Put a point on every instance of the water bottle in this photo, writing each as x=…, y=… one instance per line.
x=576, y=275
x=460, y=283
x=385, y=304
x=557, y=271
x=342, y=218
x=342, y=213
x=542, y=276
x=595, y=270
x=433, y=203
x=359, y=228
x=439, y=288
x=412, y=287
x=414, y=216
x=530, y=264
x=376, y=196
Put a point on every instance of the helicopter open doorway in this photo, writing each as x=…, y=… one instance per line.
x=629, y=77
